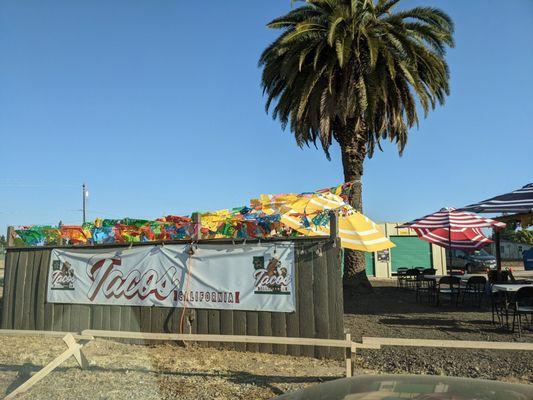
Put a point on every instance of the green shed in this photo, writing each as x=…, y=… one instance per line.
x=370, y=264
x=410, y=252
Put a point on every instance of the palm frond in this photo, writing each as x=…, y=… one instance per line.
x=356, y=68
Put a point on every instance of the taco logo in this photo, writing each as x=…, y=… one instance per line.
x=62, y=276
x=272, y=279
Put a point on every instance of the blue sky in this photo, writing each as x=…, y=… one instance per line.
x=156, y=105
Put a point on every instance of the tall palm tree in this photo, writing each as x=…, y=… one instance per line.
x=356, y=72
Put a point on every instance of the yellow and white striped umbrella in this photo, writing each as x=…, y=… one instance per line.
x=294, y=221
x=310, y=205
x=307, y=203
x=358, y=232
x=316, y=202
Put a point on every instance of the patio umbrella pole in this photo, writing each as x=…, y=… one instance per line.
x=498, y=251
x=450, y=249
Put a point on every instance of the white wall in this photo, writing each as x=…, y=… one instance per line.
x=510, y=250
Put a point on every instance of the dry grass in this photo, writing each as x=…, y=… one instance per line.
x=124, y=371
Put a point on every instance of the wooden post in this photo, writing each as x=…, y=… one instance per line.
x=78, y=353
x=348, y=356
x=333, y=225
x=498, y=251
x=10, y=239
x=197, y=221
x=74, y=349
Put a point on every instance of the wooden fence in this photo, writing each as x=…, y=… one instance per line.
x=75, y=342
x=319, y=305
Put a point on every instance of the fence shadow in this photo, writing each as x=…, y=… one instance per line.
x=25, y=371
x=444, y=325
x=390, y=300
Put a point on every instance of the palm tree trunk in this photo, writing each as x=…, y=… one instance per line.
x=353, y=150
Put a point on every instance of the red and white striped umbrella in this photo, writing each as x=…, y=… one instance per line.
x=461, y=238
x=454, y=229
x=449, y=217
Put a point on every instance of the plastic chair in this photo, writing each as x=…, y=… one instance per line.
x=448, y=285
x=475, y=288
x=498, y=305
x=411, y=278
x=523, y=306
x=494, y=278
x=401, y=276
x=424, y=286
x=503, y=302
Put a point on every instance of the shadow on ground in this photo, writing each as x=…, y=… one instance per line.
x=387, y=311
x=26, y=370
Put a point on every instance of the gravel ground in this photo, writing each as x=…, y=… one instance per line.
x=392, y=312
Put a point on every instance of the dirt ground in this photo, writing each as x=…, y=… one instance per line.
x=392, y=312
x=124, y=371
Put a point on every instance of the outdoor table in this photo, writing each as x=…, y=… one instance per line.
x=464, y=278
x=432, y=277
x=433, y=280
x=509, y=289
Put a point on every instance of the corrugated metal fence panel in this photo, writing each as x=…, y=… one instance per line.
x=319, y=305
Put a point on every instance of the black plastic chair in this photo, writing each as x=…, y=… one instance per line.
x=411, y=278
x=503, y=302
x=523, y=306
x=401, y=276
x=494, y=277
x=498, y=305
x=424, y=286
x=475, y=288
x=448, y=285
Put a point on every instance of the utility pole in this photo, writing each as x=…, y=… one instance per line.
x=84, y=195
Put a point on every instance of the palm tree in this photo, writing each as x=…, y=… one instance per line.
x=355, y=72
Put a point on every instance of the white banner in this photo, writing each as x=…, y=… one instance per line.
x=230, y=277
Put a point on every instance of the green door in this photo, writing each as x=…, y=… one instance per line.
x=370, y=266
x=369, y=261
x=410, y=252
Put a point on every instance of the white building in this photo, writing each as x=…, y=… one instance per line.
x=510, y=250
